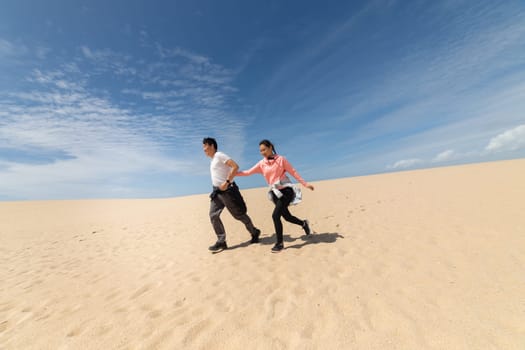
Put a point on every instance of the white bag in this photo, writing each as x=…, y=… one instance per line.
x=298, y=194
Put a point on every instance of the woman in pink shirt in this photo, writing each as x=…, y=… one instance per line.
x=274, y=168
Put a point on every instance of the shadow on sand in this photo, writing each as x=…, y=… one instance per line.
x=304, y=240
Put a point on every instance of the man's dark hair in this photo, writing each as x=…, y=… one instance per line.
x=210, y=141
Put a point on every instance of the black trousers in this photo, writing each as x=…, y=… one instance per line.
x=233, y=201
x=281, y=210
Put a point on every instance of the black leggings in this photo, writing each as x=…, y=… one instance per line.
x=281, y=209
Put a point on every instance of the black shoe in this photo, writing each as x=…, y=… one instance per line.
x=255, y=236
x=218, y=246
x=277, y=248
x=306, y=227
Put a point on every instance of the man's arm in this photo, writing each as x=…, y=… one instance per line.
x=234, y=169
x=229, y=179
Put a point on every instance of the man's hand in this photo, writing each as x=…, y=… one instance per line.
x=234, y=169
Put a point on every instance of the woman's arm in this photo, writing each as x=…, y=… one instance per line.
x=253, y=170
x=290, y=169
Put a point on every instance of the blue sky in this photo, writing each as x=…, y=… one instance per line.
x=111, y=99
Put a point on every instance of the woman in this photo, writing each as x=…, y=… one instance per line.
x=274, y=167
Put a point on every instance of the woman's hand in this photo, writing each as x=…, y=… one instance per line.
x=310, y=187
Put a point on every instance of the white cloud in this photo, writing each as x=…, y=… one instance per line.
x=89, y=144
x=509, y=140
x=192, y=57
x=80, y=142
x=444, y=156
x=7, y=48
x=405, y=164
x=42, y=52
x=107, y=60
x=100, y=55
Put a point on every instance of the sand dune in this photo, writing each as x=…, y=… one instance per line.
x=429, y=259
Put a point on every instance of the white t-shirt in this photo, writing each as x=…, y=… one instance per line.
x=218, y=168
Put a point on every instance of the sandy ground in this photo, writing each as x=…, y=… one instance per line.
x=430, y=259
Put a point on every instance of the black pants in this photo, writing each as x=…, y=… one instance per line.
x=231, y=199
x=281, y=209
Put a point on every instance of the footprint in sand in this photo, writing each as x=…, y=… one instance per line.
x=159, y=339
x=181, y=319
x=120, y=310
x=179, y=303
x=76, y=331
x=141, y=291
x=112, y=295
x=3, y=326
x=299, y=291
x=275, y=307
x=307, y=332
x=195, y=331
x=221, y=305
x=366, y=315
x=43, y=316
x=103, y=330
x=155, y=314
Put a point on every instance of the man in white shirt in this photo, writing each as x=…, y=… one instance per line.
x=225, y=194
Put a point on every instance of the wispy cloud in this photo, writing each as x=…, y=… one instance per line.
x=433, y=80
x=108, y=60
x=93, y=141
x=447, y=78
x=68, y=134
x=42, y=52
x=11, y=50
x=444, y=156
x=405, y=164
x=452, y=95
x=509, y=140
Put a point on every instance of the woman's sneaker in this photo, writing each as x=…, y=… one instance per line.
x=306, y=227
x=277, y=248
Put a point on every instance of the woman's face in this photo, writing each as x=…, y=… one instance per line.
x=265, y=151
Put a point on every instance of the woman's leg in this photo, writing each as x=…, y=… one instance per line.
x=290, y=218
x=281, y=209
x=287, y=198
x=276, y=217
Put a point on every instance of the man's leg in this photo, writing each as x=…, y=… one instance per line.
x=216, y=207
x=238, y=212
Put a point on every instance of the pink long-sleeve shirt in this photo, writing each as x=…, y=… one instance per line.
x=273, y=170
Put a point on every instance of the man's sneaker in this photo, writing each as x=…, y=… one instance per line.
x=277, y=248
x=306, y=227
x=218, y=246
x=255, y=236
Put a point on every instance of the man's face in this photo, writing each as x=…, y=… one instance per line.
x=209, y=150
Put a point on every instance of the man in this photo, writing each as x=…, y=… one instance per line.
x=225, y=194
